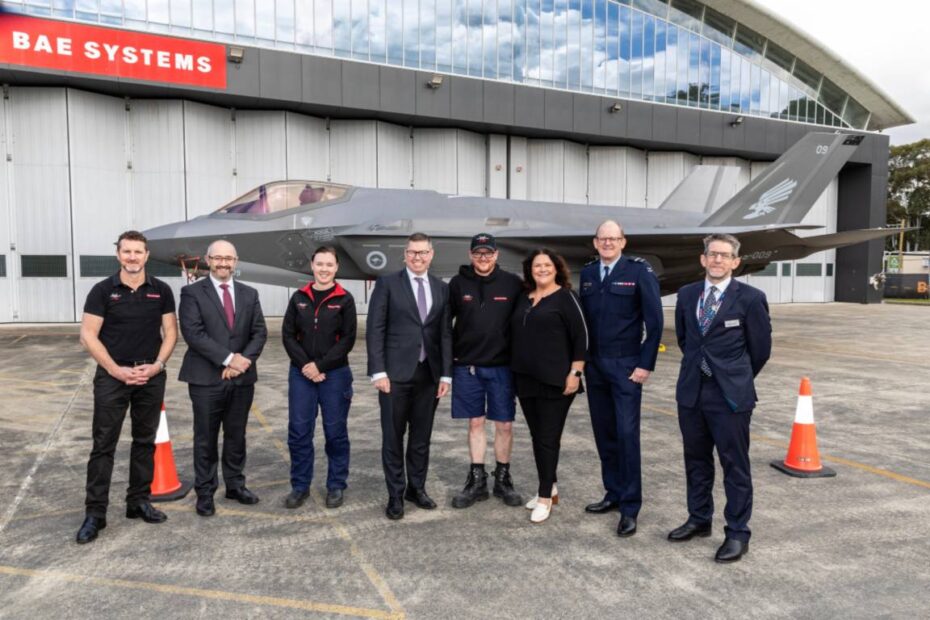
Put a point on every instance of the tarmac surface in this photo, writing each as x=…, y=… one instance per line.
x=854, y=546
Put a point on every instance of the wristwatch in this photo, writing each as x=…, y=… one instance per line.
x=577, y=373
x=164, y=367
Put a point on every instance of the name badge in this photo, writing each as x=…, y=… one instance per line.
x=731, y=323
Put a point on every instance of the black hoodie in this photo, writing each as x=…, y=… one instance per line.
x=481, y=308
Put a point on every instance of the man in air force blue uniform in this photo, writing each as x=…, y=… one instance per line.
x=620, y=297
x=725, y=336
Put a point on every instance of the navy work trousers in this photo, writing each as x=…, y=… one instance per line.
x=304, y=398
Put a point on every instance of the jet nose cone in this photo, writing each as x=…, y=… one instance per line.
x=165, y=242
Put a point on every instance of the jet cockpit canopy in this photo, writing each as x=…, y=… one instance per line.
x=281, y=196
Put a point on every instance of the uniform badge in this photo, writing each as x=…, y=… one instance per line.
x=731, y=323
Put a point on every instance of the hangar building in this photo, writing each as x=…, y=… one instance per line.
x=135, y=113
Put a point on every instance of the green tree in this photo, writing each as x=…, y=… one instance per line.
x=909, y=191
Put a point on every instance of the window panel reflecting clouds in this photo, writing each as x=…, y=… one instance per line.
x=671, y=51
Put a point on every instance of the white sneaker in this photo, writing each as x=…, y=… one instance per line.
x=540, y=512
x=530, y=505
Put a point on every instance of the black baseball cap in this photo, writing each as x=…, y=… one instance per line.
x=483, y=241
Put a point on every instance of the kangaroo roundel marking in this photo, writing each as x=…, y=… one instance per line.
x=376, y=259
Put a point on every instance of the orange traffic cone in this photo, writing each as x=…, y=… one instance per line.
x=165, y=483
x=803, y=460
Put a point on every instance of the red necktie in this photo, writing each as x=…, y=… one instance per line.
x=228, y=306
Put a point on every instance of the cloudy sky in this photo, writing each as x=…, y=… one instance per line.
x=886, y=41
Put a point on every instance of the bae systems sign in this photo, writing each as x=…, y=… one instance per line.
x=67, y=46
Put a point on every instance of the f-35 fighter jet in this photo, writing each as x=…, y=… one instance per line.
x=277, y=226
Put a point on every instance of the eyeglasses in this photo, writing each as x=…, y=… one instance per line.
x=720, y=255
x=417, y=253
x=606, y=240
x=483, y=255
x=224, y=259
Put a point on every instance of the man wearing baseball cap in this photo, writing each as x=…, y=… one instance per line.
x=482, y=298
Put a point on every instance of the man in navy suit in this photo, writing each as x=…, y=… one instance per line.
x=223, y=325
x=621, y=301
x=409, y=337
x=725, y=336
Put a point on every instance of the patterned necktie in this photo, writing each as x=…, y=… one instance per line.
x=421, y=307
x=228, y=306
x=708, y=312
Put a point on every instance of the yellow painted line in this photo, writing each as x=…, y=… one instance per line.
x=163, y=588
x=373, y=576
x=18, y=339
x=878, y=471
x=855, y=356
x=33, y=382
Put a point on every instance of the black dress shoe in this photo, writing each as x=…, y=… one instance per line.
x=626, y=527
x=89, y=529
x=334, y=498
x=601, y=507
x=420, y=498
x=146, y=512
x=205, y=507
x=395, y=509
x=731, y=550
x=242, y=495
x=688, y=531
x=296, y=499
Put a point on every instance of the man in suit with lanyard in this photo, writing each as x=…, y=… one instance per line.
x=621, y=300
x=725, y=336
x=223, y=325
x=409, y=337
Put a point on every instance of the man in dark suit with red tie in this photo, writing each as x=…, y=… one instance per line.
x=725, y=336
x=222, y=323
x=409, y=337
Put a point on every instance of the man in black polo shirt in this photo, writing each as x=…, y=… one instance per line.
x=129, y=327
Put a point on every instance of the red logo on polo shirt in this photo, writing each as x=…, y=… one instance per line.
x=467, y=298
x=500, y=299
x=153, y=295
x=332, y=306
x=115, y=296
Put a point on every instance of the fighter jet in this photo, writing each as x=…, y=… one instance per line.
x=277, y=226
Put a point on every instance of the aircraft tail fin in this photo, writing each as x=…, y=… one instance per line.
x=703, y=190
x=788, y=188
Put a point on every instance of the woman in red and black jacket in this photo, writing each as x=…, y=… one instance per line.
x=318, y=332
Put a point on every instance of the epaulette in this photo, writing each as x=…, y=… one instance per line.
x=640, y=259
x=592, y=261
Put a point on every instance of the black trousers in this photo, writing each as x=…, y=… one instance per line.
x=546, y=419
x=714, y=424
x=223, y=404
x=410, y=405
x=111, y=399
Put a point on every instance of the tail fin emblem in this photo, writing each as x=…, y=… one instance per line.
x=764, y=206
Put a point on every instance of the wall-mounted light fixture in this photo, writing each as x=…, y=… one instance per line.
x=235, y=54
x=615, y=108
x=435, y=81
x=736, y=122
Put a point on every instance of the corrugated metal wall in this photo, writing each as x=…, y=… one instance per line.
x=100, y=165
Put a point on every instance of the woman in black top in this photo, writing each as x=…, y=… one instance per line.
x=549, y=340
x=318, y=332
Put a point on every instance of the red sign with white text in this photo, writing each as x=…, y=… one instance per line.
x=50, y=44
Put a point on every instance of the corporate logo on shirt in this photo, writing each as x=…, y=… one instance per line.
x=301, y=305
x=773, y=196
x=332, y=306
x=67, y=46
x=153, y=295
x=500, y=299
x=467, y=298
x=115, y=296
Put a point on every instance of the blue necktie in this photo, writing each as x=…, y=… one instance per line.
x=708, y=312
x=606, y=273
